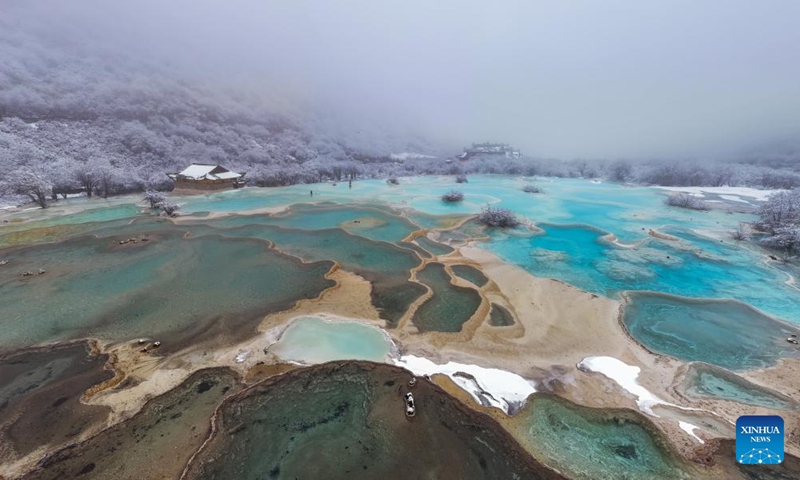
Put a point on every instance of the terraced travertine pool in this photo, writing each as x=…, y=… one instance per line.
x=211, y=277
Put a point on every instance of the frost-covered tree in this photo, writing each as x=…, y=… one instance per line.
x=780, y=220
x=684, y=200
x=461, y=178
x=620, y=171
x=498, y=217
x=531, y=189
x=154, y=198
x=170, y=209
x=86, y=178
x=453, y=196
x=32, y=184
x=780, y=210
x=741, y=233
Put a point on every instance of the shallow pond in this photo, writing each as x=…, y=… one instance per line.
x=593, y=443
x=316, y=340
x=450, y=307
x=93, y=286
x=724, y=333
x=347, y=421
x=707, y=381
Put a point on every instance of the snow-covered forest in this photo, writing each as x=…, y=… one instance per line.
x=79, y=116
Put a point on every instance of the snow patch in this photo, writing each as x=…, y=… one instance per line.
x=625, y=375
x=734, y=198
x=242, y=356
x=488, y=386
x=407, y=155
x=760, y=195
x=689, y=428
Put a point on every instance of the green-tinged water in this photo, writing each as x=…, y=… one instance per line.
x=168, y=286
x=154, y=444
x=470, y=274
x=450, y=307
x=724, y=333
x=316, y=340
x=370, y=222
x=707, y=381
x=386, y=266
x=499, y=316
x=434, y=248
x=593, y=444
x=347, y=421
x=40, y=397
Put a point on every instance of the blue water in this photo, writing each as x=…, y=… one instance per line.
x=574, y=215
x=724, y=333
x=705, y=381
x=694, y=267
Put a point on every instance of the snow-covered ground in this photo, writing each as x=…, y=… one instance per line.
x=689, y=428
x=407, y=155
x=625, y=375
x=488, y=386
x=728, y=193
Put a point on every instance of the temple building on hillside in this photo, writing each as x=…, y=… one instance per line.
x=479, y=149
x=205, y=177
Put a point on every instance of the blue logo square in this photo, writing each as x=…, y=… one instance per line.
x=759, y=439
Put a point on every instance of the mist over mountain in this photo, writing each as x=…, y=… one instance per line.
x=290, y=90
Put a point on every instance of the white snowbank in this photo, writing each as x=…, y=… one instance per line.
x=760, y=195
x=689, y=428
x=734, y=198
x=407, y=155
x=625, y=375
x=242, y=355
x=489, y=386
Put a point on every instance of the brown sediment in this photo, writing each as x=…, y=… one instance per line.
x=43, y=408
x=157, y=442
x=216, y=215
x=112, y=382
x=662, y=236
x=721, y=454
x=262, y=371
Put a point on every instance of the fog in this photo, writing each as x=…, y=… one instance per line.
x=603, y=79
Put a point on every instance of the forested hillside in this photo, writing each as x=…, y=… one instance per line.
x=81, y=113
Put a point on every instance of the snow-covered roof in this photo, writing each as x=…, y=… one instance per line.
x=199, y=171
x=226, y=175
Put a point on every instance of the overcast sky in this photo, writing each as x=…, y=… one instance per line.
x=559, y=78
